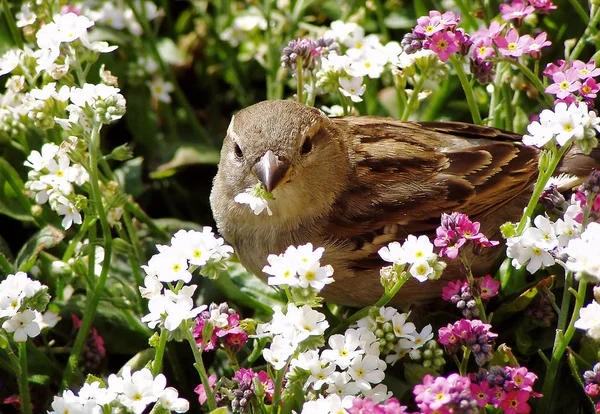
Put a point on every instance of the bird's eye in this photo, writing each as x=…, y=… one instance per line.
x=307, y=146
x=238, y=151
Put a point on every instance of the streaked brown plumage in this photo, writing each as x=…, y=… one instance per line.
x=363, y=182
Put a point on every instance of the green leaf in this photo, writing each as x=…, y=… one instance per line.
x=220, y=410
x=187, y=155
x=13, y=202
x=129, y=176
x=141, y=359
x=39, y=379
x=511, y=279
x=522, y=301
x=503, y=357
x=44, y=239
x=577, y=374
x=414, y=373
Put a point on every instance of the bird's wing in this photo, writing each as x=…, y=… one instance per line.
x=406, y=174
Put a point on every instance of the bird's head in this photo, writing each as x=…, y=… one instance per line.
x=294, y=150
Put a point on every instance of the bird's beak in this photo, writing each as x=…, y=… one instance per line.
x=271, y=170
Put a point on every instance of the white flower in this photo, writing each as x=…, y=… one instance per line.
x=137, y=390
x=152, y=287
x=367, y=62
x=160, y=89
x=93, y=392
x=421, y=270
x=367, y=370
x=589, y=320
x=417, y=249
x=529, y=249
x=257, y=203
x=25, y=17
x=170, y=400
x=198, y=247
x=39, y=161
x=9, y=61
x=334, y=110
x=67, y=404
x=353, y=88
x=567, y=228
x=583, y=252
x=23, y=324
x=393, y=253
x=169, y=265
x=180, y=307
x=279, y=352
x=418, y=339
x=567, y=122
x=320, y=370
x=344, y=348
x=345, y=32
x=402, y=328
x=71, y=26
x=332, y=404
x=70, y=212
x=341, y=384
x=540, y=132
x=315, y=276
x=282, y=270
x=307, y=321
x=378, y=394
x=549, y=240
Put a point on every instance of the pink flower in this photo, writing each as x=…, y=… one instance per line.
x=551, y=68
x=481, y=392
x=444, y=44
x=202, y=392
x=536, y=45
x=482, y=49
x=565, y=83
x=488, y=33
x=518, y=10
x=592, y=390
x=520, y=378
x=453, y=288
x=585, y=70
x=488, y=287
x=515, y=402
x=589, y=88
x=429, y=25
x=512, y=45
x=543, y=6
x=449, y=241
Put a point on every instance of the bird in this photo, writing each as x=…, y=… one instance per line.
x=354, y=184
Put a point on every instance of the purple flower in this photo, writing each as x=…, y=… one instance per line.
x=543, y=6
x=367, y=406
x=227, y=331
x=482, y=49
x=535, y=47
x=202, y=392
x=589, y=89
x=456, y=230
x=452, y=394
x=520, y=379
x=435, y=22
x=472, y=334
x=512, y=45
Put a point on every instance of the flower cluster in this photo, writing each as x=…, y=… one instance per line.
x=457, y=230
x=225, y=326
x=589, y=320
x=539, y=244
x=132, y=391
x=583, y=254
x=472, y=335
x=452, y=394
x=506, y=387
x=289, y=331
x=242, y=391
x=417, y=253
x=462, y=294
x=52, y=179
x=573, y=82
x=21, y=301
x=592, y=383
x=366, y=405
x=94, y=352
x=308, y=52
x=175, y=263
x=299, y=267
x=397, y=337
x=564, y=125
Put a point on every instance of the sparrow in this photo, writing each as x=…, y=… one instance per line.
x=354, y=184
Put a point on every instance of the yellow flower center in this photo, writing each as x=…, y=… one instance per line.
x=512, y=46
x=310, y=276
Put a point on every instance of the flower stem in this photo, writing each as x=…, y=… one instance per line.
x=24, y=379
x=540, y=185
x=462, y=369
x=535, y=80
x=380, y=12
x=561, y=342
x=402, y=278
x=98, y=290
x=160, y=352
x=591, y=27
x=466, y=85
x=414, y=98
x=14, y=30
x=199, y=364
x=300, y=80
x=277, y=392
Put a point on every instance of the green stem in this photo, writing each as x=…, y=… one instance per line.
x=14, y=30
x=414, y=98
x=471, y=279
x=133, y=239
x=591, y=27
x=277, y=392
x=465, y=14
x=24, y=379
x=462, y=369
x=561, y=342
x=70, y=250
x=144, y=218
x=380, y=12
x=199, y=364
x=402, y=101
x=580, y=11
x=300, y=81
x=566, y=301
x=385, y=298
x=92, y=304
x=493, y=118
x=535, y=80
x=160, y=352
x=198, y=129
x=508, y=108
x=540, y=185
x=466, y=85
